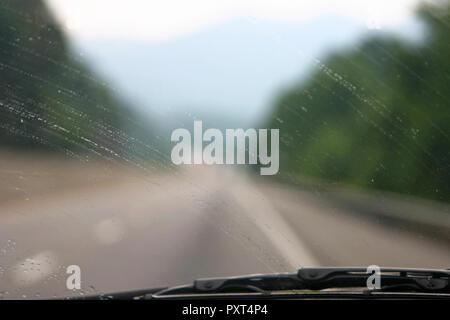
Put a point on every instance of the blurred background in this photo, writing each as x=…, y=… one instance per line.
x=90, y=92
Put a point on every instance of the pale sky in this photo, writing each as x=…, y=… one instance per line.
x=223, y=57
x=163, y=19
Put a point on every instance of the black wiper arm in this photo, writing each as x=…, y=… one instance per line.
x=392, y=279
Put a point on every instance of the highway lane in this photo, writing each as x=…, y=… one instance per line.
x=145, y=233
x=340, y=236
x=170, y=229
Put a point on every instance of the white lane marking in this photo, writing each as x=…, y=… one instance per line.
x=272, y=224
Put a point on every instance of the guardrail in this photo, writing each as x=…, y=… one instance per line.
x=421, y=216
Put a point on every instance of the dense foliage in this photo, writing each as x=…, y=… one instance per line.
x=375, y=116
x=49, y=100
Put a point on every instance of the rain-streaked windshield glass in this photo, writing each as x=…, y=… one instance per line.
x=151, y=143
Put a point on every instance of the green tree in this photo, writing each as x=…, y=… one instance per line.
x=51, y=101
x=376, y=116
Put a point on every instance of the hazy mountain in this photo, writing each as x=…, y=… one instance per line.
x=228, y=71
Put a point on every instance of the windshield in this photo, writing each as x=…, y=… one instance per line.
x=150, y=143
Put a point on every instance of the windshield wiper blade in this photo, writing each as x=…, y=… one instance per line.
x=391, y=279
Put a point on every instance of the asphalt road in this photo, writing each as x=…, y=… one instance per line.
x=170, y=229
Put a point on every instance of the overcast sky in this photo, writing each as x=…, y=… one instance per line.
x=163, y=19
x=227, y=58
